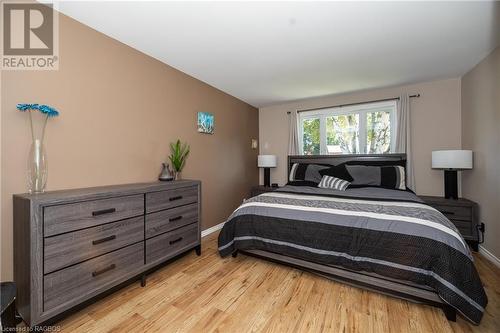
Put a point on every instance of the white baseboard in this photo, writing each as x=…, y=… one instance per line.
x=488, y=255
x=211, y=230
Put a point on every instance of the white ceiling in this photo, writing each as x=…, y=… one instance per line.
x=270, y=52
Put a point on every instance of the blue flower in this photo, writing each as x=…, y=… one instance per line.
x=45, y=109
x=25, y=107
x=48, y=110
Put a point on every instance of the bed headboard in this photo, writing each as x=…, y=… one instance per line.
x=338, y=159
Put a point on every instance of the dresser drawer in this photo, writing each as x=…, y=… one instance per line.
x=156, y=201
x=76, y=283
x=64, y=218
x=455, y=212
x=167, y=220
x=168, y=244
x=73, y=247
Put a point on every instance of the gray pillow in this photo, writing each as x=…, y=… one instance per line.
x=364, y=175
x=312, y=172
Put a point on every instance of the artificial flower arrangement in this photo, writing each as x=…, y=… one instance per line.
x=45, y=109
x=37, y=162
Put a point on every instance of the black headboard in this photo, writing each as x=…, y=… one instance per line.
x=338, y=159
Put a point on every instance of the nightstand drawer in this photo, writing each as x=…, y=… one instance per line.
x=255, y=193
x=455, y=212
x=462, y=212
x=464, y=227
x=258, y=190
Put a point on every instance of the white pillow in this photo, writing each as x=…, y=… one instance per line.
x=333, y=183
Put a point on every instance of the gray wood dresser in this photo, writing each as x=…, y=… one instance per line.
x=73, y=245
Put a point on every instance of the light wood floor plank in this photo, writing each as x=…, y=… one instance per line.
x=287, y=316
x=268, y=292
x=245, y=294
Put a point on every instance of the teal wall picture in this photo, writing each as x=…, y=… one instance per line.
x=205, y=122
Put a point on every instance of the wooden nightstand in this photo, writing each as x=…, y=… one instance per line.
x=462, y=212
x=259, y=189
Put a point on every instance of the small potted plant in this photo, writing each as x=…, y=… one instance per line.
x=179, y=152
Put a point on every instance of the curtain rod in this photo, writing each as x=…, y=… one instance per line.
x=350, y=104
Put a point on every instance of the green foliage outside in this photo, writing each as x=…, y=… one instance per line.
x=378, y=134
x=311, y=137
x=343, y=131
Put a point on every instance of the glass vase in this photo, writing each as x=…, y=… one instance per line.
x=37, y=167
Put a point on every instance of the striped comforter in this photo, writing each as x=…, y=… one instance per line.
x=387, y=232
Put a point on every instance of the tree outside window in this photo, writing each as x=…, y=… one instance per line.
x=311, y=140
x=378, y=135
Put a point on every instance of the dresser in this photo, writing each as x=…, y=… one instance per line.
x=71, y=246
x=462, y=212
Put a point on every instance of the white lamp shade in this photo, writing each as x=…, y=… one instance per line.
x=452, y=159
x=266, y=161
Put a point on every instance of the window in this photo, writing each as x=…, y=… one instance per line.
x=355, y=129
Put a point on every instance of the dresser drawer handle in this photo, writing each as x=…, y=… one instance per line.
x=104, y=211
x=176, y=240
x=447, y=212
x=104, y=270
x=102, y=240
x=175, y=198
x=175, y=218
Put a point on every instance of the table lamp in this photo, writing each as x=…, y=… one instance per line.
x=266, y=162
x=451, y=161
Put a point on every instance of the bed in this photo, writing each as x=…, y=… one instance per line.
x=380, y=239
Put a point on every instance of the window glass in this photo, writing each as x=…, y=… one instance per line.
x=342, y=134
x=311, y=136
x=378, y=132
x=355, y=129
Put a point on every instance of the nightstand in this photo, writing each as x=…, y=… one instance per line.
x=462, y=212
x=259, y=189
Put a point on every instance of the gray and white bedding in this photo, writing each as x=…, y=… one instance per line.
x=386, y=232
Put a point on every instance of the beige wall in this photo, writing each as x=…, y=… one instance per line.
x=436, y=124
x=119, y=111
x=481, y=133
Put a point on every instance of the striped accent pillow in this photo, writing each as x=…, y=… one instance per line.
x=333, y=183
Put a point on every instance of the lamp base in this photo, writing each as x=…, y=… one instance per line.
x=267, y=177
x=450, y=184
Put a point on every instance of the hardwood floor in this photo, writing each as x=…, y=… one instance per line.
x=243, y=294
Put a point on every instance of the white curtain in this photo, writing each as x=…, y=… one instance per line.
x=403, y=137
x=293, y=134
